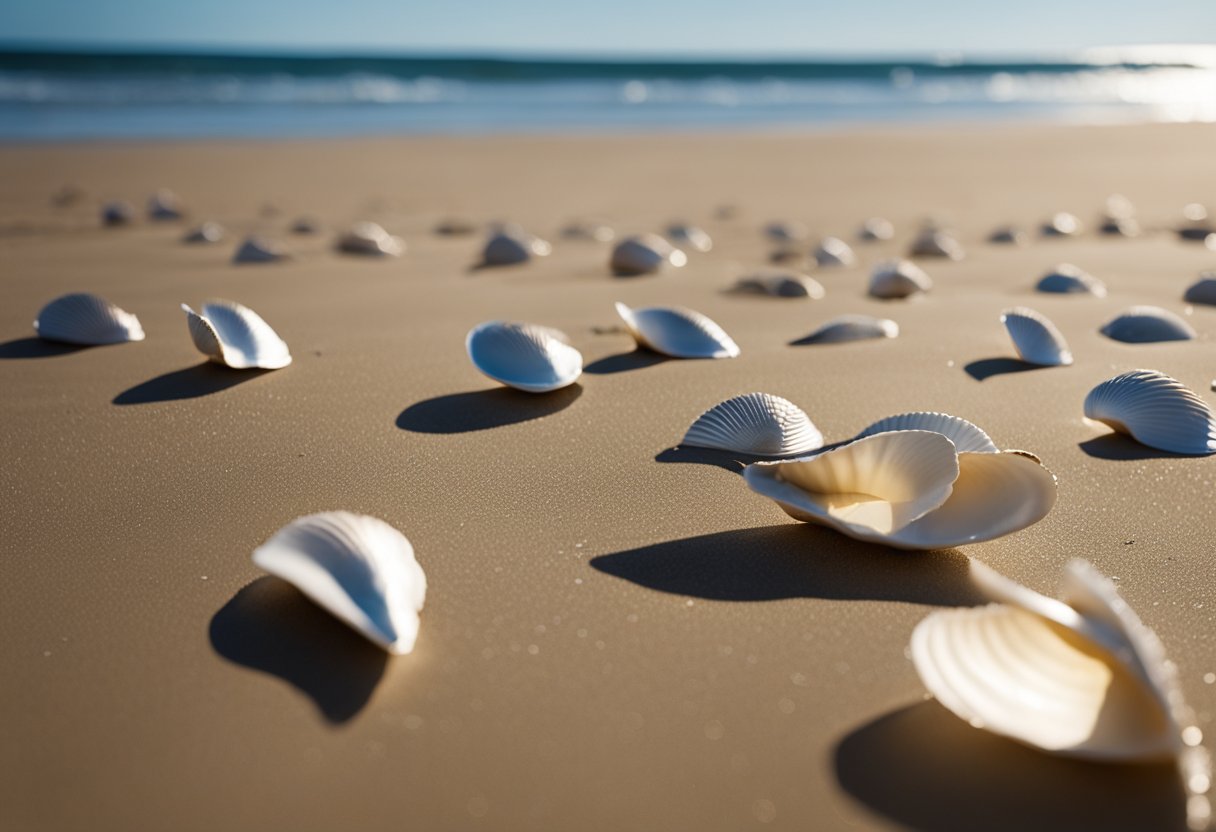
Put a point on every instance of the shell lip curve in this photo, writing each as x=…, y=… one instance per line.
x=552, y=363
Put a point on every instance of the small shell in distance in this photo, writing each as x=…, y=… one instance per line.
x=1203, y=291
x=1147, y=325
x=1036, y=339
x=1069, y=280
x=833, y=251
x=524, y=356
x=370, y=239
x=898, y=279
x=1155, y=410
x=933, y=242
x=255, y=249
x=645, y=254
x=851, y=328
x=511, y=245
x=781, y=284
x=677, y=332
x=690, y=236
x=88, y=320
x=759, y=424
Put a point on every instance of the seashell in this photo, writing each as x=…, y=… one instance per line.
x=588, y=230
x=1120, y=227
x=305, y=226
x=933, y=242
x=876, y=228
x=645, y=254
x=257, y=249
x=164, y=205
x=786, y=232
x=207, y=232
x=1203, y=291
x=1118, y=207
x=759, y=424
x=852, y=328
x=1146, y=325
x=781, y=284
x=1062, y=224
x=117, y=213
x=1155, y=410
x=358, y=568
x=236, y=336
x=898, y=279
x=1194, y=212
x=1068, y=279
x=677, y=332
x=967, y=438
x=833, y=251
x=528, y=357
x=1036, y=339
x=369, y=238
x=689, y=236
x=511, y=245
x=455, y=227
x=87, y=319
x=910, y=489
x=1008, y=235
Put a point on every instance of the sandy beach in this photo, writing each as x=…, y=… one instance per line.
x=616, y=636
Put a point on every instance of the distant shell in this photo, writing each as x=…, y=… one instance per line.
x=833, y=251
x=87, y=319
x=1036, y=339
x=257, y=249
x=1194, y=212
x=1068, y=279
x=967, y=438
x=117, y=213
x=1155, y=410
x=305, y=226
x=1008, y=235
x=677, y=332
x=1203, y=291
x=876, y=228
x=207, y=232
x=164, y=205
x=758, y=424
x=1146, y=325
x=358, y=568
x=588, y=230
x=936, y=243
x=511, y=245
x=1120, y=227
x=1118, y=207
x=645, y=254
x=524, y=356
x=690, y=236
x=370, y=239
x=781, y=284
x=236, y=336
x=1062, y=224
x=852, y=328
x=786, y=232
x=898, y=279
x=455, y=227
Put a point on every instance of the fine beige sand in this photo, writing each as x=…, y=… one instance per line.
x=616, y=637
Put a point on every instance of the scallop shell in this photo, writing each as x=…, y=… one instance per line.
x=645, y=254
x=758, y=424
x=236, y=336
x=967, y=438
x=257, y=249
x=898, y=279
x=369, y=238
x=677, y=332
x=164, y=205
x=852, y=328
x=690, y=236
x=528, y=357
x=1203, y=291
x=87, y=319
x=1068, y=279
x=876, y=228
x=786, y=232
x=1147, y=325
x=936, y=243
x=833, y=251
x=117, y=213
x=1062, y=224
x=207, y=232
x=1008, y=235
x=511, y=245
x=1155, y=410
x=358, y=568
x=782, y=285
x=1036, y=339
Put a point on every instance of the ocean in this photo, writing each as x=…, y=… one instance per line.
x=65, y=95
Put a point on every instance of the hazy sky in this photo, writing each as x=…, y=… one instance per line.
x=659, y=27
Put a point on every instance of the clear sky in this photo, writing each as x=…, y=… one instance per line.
x=654, y=27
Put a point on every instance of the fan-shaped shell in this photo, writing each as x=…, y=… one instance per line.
x=1146, y=325
x=86, y=319
x=690, y=236
x=358, y=568
x=1036, y=339
x=1155, y=410
x=370, y=239
x=207, y=232
x=967, y=438
x=833, y=251
x=898, y=279
x=781, y=284
x=786, y=232
x=236, y=336
x=852, y=328
x=1061, y=224
x=645, y=254
x=164, y=205
x=758, y=424
x=1068, y=279
x=117, y=213
x=524, y=356
x=1202, y=291
x=257, y=249
x=1008, y=235
x=936, y=243
x=677, y=332
x=876, y=228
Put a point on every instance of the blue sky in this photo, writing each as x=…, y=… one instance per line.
x=653, y=27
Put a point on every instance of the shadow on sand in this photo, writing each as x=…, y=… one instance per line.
x=37, y=348
x=272, y=627
x=988, y=367
x=1116, y=446
x=726, y=460
x=484, y=409
x=623, y=362
x=190, y=383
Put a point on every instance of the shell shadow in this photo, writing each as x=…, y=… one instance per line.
x=728, y=461
x=985, y=368
x=484, y=409
x=270, y=626
x=794, y=560
x=189, y=383
x=37, y=348
x=927, y=769
x=1121, y=448
x=623, y=362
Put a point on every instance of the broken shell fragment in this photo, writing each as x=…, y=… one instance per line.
x=87, y=320
x=370, y=239
x=677, y=332
x=528, y=357
x=851, y=328
x=758, y=424
x=1146, y=325
x=236, y=336
x=1070, y=280
x=1155, y=410
x=898, y=279
x=645, y=254
x=1036, y=339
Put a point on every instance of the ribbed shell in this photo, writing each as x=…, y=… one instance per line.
x=370, y=239
x=833, y=251
x=236, y=336
x=852, y=328
x=86, y=319
x=1062, y=224
x=1146, y=325
x=1202, y=291
x=207, y=232
x=677, y=332
x=1155, y=410
x=510, y=246
x=1036, y=339
x=1068, y=279
x=758, y=424
x=257, y=249
x=690, y=236
x=876, y=228
x=967, y=438
x=524, y=356
x=358, y=568
x=1008, y=235
x=898, y=279
x=645, y=254
x=164, y=205
x=934, y=243
x=782, y=285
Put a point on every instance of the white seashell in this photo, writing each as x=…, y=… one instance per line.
x=164, y=205
x=236, y=336
x=759, y=424
x=1155, y=410
x=876, y=228
x=1194, y=212
x=1068, y=279
x=528, y=357
x=1203, y=291
x=690, y=236
x=1008, y=235
x=781, y=284
x=1036, y=339
x=645, y=254
x=511, y=245
x=369, y=238
x=677, y=332
x=786, y=232
x=967, y=438
x=933, y=242
x=257, y=249
x=117, y=213
x=1146, y=325
x=910, y=489
x=356, y=567
x=87, y=319
x=1062, y=224
x=852, y=328
x=898, y=279
x=207, y=232
x=833, y=251
x=1118, y=207
x=588, y=230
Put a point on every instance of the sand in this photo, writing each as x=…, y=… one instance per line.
x=615, y=637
